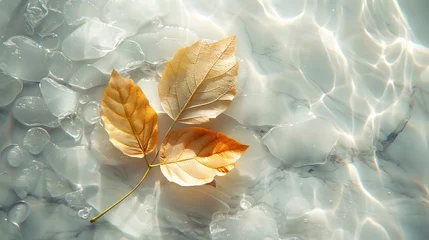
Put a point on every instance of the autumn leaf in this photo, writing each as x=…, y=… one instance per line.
x=194, y=155
x=132, y=124
x=198, y=83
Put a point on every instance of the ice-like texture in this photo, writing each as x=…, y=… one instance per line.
x=33, y=111
x=126, y=57
x=18, y=213
x=35, y=140
x=35, y=11
x=167, y=41
x=146, y=40
x=103, y=150
x=84, y=212
x=332, y=99
x=301, y=144
x=93, y=39
x=9, y=89
x=56, y=4
x=56, y=185
x=68, y=161
x=292, y=112
x=56, y=214
x=9, y=230
x=50, y=41
x=91, y=112
x=7, y=9
x=172, y=38
x=32, y=174
x=14, y=155
x=74, y=198
x=252, y=224
x=59, y=98
x=50, y=23
x=28, y=178
x=79, y=11
x=87, y=77
x=60, y=66
x=72, y=125
x=130, y=15
x=23, y=58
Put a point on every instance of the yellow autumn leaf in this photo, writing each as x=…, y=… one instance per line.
x=198, y=83
x=194, y=155
x=132, y=124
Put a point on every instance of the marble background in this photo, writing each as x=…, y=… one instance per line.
x=333, y=99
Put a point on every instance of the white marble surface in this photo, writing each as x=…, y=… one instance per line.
x=333, y=99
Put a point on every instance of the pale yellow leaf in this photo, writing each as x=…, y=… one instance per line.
x=130, y=121
x=198, y=83
x=194, y=155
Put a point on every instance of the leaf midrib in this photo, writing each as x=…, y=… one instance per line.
x=128, y=116
x=198, y=85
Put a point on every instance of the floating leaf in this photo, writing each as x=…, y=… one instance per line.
x=198, y=83
x=194, y=155
x=130, y=121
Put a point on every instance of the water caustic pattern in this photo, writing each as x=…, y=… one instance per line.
x=332, y=98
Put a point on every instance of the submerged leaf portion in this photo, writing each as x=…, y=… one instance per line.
x=132, y=124
x=194, y=156
x=198, y=83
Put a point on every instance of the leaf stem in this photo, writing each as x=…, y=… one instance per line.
x=147, y=161
x=149, y=167
x=120, y=200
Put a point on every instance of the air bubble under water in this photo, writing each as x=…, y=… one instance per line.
x=84, y=213
x=157, y=23
x=246, y=202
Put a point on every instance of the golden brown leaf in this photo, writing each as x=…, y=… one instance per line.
x=197, y=84
x=130, y=121
x=194, y=156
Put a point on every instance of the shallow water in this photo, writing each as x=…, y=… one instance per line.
x=333, y=99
